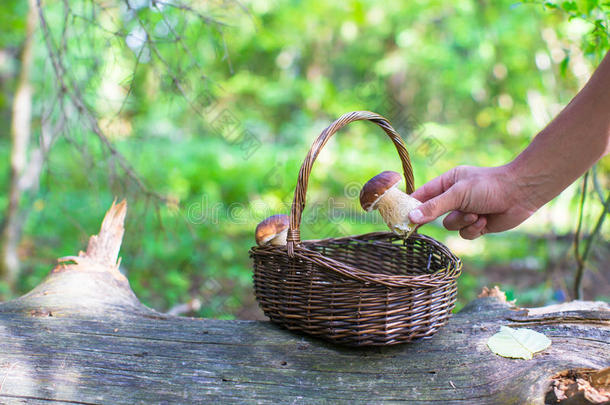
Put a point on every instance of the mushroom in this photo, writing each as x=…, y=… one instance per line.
x=381, y=192
x=272, y=230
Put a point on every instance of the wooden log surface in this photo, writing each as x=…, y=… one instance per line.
x=82, y=337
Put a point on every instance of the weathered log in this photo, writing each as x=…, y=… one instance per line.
x=83, y=337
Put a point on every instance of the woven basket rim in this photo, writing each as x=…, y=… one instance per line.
x=428, y=280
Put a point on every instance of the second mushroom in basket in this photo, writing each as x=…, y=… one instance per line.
x=382, y=193
x=272, y=230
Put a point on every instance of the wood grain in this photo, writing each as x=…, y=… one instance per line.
x=82, y=337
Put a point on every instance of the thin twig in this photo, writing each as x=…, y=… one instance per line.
x=597, y=228
x=74, y=93
x=175, y=80
x=10, y=368
x=596, y=186
x=184, y=7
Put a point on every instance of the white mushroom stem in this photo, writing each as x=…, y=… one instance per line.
x=279, y=239
x=394, y=207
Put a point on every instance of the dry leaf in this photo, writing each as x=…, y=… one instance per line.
x=496, y=293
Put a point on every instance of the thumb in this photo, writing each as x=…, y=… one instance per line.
x=435, y=207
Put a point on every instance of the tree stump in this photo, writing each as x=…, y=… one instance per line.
x=83, y=337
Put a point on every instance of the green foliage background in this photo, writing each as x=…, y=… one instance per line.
x=479, y=79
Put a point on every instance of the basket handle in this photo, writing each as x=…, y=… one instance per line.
x=300, y=193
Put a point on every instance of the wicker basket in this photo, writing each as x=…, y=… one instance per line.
x=372, y=289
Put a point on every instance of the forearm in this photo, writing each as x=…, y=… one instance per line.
x=577, y=138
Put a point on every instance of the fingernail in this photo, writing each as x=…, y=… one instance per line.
x=470, y=217
x=416, y=216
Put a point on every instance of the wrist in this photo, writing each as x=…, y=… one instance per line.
x=528, y=183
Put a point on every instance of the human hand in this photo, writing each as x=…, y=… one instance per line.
x=481, y=200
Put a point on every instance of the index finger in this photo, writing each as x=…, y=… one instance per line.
x=435, y=187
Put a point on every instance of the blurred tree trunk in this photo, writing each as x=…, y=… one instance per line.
x=20, y=138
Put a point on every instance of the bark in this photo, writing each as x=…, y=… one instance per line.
x=20, y=138
x=83, y=337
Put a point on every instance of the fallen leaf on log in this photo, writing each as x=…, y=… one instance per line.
x=517, y=343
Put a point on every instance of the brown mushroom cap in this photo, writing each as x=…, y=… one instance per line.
x=376, y=187
x=270, y=227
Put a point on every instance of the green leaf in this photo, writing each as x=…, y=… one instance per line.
x=563, y=66
x=517, y=343
x=569, y=6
